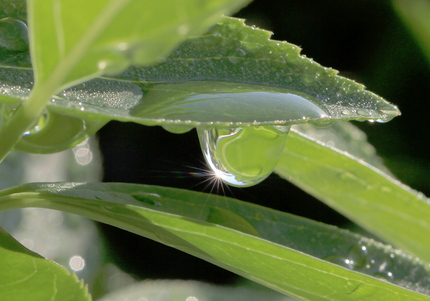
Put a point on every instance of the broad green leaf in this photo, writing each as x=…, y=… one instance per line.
x=361, y=192
x=28, y=276
x=250, y=240
x=232, y=75
x=232, y=66
x=71, y=42
x=81, y=39
x=415, y=14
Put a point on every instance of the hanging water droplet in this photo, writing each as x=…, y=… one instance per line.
x=40, y=124
x=177, y=129
x=13, y=34
x=384, y=120
x=56, y=132
x=245, y=156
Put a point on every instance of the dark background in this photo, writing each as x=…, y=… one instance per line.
x=364, y=40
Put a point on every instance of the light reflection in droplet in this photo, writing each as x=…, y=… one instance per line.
x=191, y=298
x=83, y=153
x=77, y=263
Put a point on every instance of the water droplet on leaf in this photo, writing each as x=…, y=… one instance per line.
x=56, y=132
x=38, y=126
x=340, y=260
x=177, y=129
x=236, y=56
x=245, y=156
x=13, y=34
x=358, y=256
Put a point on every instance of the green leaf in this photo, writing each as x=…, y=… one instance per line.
x=415, y=14
x=71, y=42
x=250, y=240
x=367, y=196
x=346, y=137
x=82, y=39
x=203, y=77
x=27, y=276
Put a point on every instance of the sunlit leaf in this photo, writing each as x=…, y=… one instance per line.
x=234, y=74
x=345, y=137
x=358, y=190
x=81, y=39
x=261, y=244
x=27, y=276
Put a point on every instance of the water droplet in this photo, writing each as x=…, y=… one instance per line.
x=236, y=56
x=177, y=129
x=340, y=260
x=55, y=132
x=384, y=120
x=245, y=156
x=346, y=112
x=357, y=255
x=148, y=198
x=40, y=124
x=248, y=104
x=13, y=34
x=384, y=275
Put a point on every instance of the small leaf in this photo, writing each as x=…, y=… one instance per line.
x=27, y=276
x=210, y=227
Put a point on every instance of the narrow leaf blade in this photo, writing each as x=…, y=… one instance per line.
x=196, y=223
x=361, y=192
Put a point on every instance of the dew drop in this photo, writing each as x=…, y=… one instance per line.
x=358, y=256
x=40, y=124
x=177, y=129
x=243, y=156
x=13, y=34
x=340, y=260
x=346, y=112
x=384, y=120
x=236, y=56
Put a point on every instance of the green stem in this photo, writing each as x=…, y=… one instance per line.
x=23, y=119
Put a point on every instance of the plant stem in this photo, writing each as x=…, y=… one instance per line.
x=23, y=119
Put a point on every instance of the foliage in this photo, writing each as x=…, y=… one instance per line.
x=84, y=64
